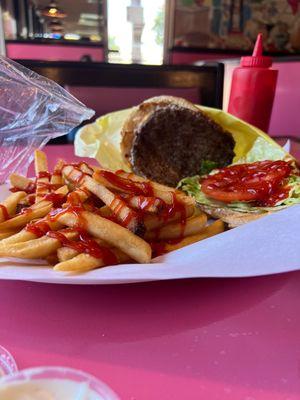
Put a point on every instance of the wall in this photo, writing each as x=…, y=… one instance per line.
x=107, y=99
x=286, y=115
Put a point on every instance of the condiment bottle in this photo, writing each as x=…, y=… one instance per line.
x=253, y=88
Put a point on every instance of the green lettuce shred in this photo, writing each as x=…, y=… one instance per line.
x=294, y=194
x=207, y=166
x=263, y=150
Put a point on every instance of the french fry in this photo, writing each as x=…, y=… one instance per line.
x=41, y=189
x=147, y=204
x=56, y=177
x=120, y=209
x=20, y=182
x=36, y=248
x=86, y=169
x=85, y=262
x=79, y=195
x=6, y=234
x=135, y=178
x=67, y=237
x=123, y=213
x=56, y=180
x=114, y=234
x=211, y=230
x=163, y=192
x=27, y=201
x=38, y=210
x=22, y=236
x=63, y=191
x=52, y=259
x=41, y=166
x=105, y=212
x=156, y=221
x=25, y=235
x=22, y=219
x=40, y=162
x=191, y=226
x=66, y=253
x=9, y=205
x=59, y=165
x=80, y=263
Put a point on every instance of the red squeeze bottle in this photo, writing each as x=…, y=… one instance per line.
x=253, y=88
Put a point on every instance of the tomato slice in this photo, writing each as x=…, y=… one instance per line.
x=247, y=182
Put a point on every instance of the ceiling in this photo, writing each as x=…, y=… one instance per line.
x=75, y=22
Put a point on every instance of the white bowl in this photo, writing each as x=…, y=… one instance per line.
x=7, y=363
x=60, y=382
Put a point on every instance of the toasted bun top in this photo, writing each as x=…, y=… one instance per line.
x=165, y=139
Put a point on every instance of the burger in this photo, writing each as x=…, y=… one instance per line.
x=167, y=138
x=234, y=171
x=245, y=191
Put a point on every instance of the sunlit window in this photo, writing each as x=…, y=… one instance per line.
x=135, y=31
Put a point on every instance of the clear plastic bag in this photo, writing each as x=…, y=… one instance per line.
x=33, y=110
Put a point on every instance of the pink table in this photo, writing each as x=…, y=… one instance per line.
x=191, y=339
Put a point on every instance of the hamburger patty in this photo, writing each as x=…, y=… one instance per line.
x=171, y=144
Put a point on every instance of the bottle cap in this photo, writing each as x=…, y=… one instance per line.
x=257, y=59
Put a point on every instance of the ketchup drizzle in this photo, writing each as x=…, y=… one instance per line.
x=74, y=199
x=57, y=172
x=29, y=189
x=174, y=208
x=56, y=198
x=263, y=183
x=147, y=199
x=39, y=228
x=79, y=165
x=137, y=188
x=86, y=244
x=50, y=186
x=44, y=174
x=145, y=203
x=117, y=205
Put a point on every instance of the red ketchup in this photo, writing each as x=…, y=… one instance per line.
x=253, y=88
x=262, y=182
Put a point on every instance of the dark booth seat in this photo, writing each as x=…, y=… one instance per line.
x=108, y=87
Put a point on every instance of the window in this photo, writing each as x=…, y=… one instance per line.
x=135, y=31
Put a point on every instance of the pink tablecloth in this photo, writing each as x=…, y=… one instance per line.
x=191, y=339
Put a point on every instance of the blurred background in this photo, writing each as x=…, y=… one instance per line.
x=147, y=31
x=105, y=34
x=114, y=30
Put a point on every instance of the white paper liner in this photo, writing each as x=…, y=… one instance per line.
x=266, y=246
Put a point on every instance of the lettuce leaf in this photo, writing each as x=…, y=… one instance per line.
x=207, y=166
x=263, y=150
x=294, y=194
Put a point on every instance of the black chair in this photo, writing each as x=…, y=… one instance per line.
x=126, y=85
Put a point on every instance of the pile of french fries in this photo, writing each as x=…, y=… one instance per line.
x=81, y=217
